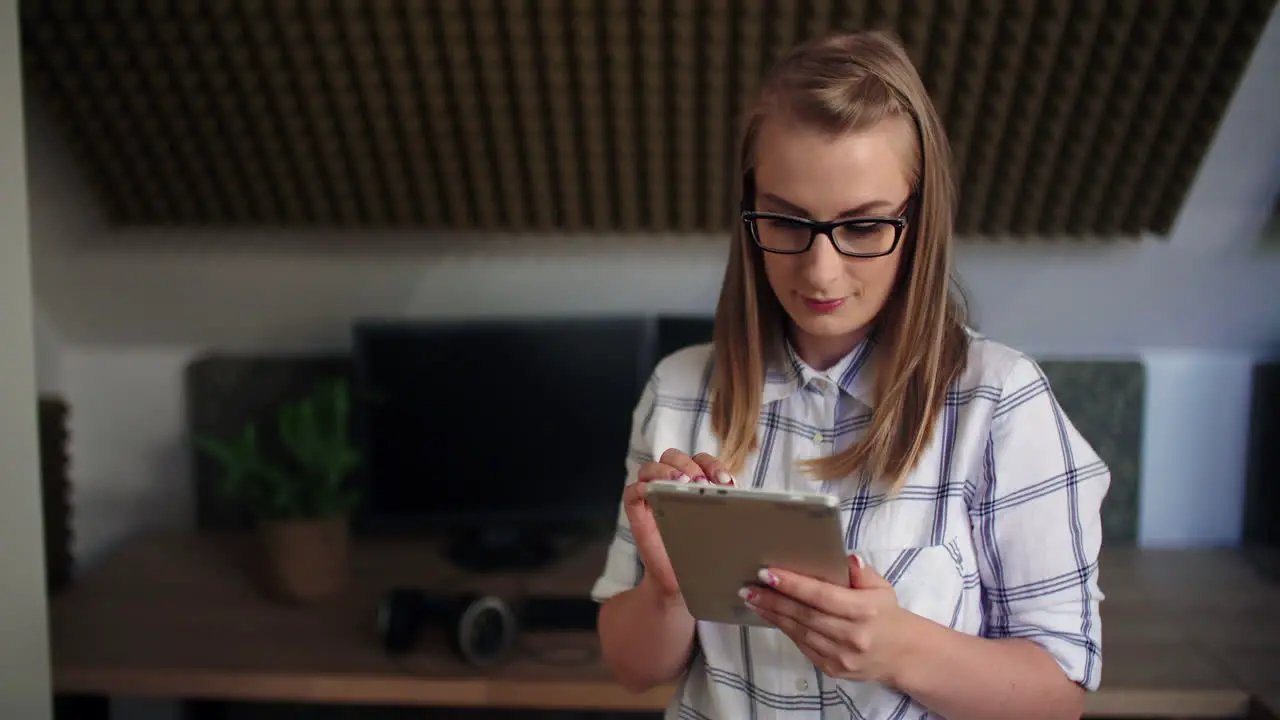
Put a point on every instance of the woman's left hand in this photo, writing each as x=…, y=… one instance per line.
x=856, y=633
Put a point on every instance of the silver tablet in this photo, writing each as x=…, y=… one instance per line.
x=718, y=539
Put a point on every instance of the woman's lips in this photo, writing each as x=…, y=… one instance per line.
x=823, y=306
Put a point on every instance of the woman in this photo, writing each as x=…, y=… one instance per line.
x=841, y=362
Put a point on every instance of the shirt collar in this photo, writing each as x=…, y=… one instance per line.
x=854, y=373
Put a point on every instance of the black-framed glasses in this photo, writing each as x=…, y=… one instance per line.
x=866, y=237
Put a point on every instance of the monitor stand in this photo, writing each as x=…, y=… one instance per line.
x=498, y=548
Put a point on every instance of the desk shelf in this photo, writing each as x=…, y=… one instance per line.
x=1188, y=634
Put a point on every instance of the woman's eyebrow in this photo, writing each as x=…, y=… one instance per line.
x=863, y=209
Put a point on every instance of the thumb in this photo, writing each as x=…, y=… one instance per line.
x=863, y=576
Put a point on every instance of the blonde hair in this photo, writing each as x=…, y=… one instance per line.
x=847, y=83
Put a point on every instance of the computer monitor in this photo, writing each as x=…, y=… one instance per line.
x=499, y=433
x=676, y=332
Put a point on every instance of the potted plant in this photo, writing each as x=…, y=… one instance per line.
x=297, y=485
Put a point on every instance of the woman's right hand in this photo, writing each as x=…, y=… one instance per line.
x=673, y=465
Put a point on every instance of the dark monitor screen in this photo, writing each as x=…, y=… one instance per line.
x=677, y=332
x=509, y=421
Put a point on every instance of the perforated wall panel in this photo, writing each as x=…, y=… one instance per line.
x=1087, y=117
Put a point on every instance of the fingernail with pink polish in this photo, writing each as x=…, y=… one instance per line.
x=700, y=479
x=768, y=578
x=682, y=478
x=747, y=595
x=724, y=478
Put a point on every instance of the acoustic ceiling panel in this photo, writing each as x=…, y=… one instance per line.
x=1085, y=118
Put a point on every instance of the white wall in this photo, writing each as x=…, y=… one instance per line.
x=24, y=642
x=131, y=307
x=1200, y=400
x=48, y=349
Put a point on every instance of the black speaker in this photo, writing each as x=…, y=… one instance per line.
x=55, y=483
x=1262, y=488
x=481, y=628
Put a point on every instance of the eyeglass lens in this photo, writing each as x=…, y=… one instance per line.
x=869, y=237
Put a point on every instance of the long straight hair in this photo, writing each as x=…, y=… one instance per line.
x=843, y=83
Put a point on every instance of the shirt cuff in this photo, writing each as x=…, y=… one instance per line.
x=1076, y=649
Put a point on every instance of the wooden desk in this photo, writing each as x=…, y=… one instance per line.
x=1186, y=634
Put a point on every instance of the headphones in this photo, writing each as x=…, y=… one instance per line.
x=481, y=628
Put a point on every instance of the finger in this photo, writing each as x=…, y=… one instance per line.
x=661, y=471
x=863, y=576
x=633, y=494
x=820, y=650
x=823, y=596
x=714, y=469
x=680, y=460
x=637, y=491
x=829, y=626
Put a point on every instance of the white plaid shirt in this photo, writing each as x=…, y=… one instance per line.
x=995, y=534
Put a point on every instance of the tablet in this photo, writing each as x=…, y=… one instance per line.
x=718, y=539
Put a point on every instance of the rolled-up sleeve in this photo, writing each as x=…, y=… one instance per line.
x=1037, y=527
x=623, y=569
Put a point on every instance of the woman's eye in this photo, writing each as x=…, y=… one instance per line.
x=861, y=228
x=781, y=224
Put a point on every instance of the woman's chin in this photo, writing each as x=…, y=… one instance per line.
x=828, y=325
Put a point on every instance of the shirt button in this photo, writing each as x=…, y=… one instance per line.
x=802, y=684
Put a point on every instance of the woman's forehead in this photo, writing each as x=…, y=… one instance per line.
x=818, y=170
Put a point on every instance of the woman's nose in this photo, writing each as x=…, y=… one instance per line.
x=823, y=264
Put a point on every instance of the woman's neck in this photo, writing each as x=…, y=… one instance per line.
x=822, y=352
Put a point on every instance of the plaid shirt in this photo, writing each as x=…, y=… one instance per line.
x=995, y=534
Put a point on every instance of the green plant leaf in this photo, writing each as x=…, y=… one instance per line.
x=311, y=478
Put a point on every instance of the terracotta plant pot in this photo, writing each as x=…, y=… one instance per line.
x=306, y=560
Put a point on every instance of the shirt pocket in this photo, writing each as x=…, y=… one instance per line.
x=928, y=580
